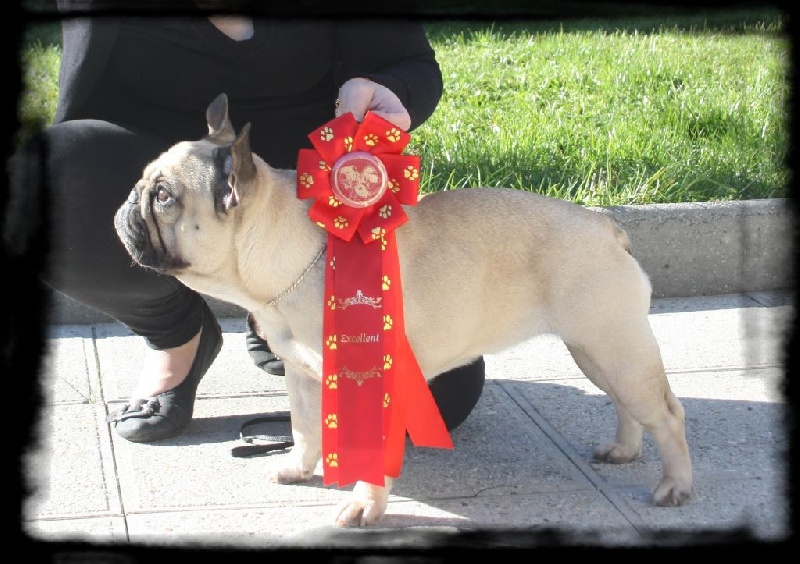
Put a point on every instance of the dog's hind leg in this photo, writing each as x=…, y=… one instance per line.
x=628, y=444
x=633, y=377
x=670, y=435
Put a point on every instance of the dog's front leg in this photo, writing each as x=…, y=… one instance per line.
x=365, y=506
x=305, y=405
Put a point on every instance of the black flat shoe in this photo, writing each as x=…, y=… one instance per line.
x=260, y=353
x=167, y=414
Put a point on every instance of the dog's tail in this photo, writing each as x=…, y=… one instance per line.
x=619, y=232
x=621, y=235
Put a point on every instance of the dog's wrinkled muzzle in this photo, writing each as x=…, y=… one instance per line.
x=132, y=230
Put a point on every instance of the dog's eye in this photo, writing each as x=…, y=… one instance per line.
x=163, y=196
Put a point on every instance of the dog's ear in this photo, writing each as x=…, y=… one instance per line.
x=220, y=130
x=243, y=169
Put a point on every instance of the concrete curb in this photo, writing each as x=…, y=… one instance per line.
x=711, y=248
x=694, y=249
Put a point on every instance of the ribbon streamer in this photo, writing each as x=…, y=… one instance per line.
x=359, y=181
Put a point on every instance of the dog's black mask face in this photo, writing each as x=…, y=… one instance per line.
x=182, y=202
x=181, y=213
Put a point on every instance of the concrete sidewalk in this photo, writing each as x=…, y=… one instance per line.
x=522, y=460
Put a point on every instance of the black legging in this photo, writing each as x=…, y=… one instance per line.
x=91, y=166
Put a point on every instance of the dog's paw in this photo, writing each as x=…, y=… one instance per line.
x=289, y=475
x=358, y=512
x=617, y=453
x=296, y=466
x=365, y=506
x=671, y=493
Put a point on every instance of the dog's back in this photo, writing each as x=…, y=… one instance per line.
x=479, y=261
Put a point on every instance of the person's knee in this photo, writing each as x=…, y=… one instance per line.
x=93, y=159
x=457, y=391
x=89, y=143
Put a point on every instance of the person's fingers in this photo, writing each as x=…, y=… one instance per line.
x=400, y=119
x=355, y=96
x=359, y=95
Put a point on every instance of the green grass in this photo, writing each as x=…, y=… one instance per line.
x=678, y=108
x=40, y=63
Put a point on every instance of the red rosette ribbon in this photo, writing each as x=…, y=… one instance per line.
x=373, y=391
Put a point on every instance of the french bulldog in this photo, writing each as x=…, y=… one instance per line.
x=483, y=269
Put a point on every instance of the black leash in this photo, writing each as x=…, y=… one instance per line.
x=271, y=442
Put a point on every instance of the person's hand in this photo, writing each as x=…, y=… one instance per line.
x=359, y=95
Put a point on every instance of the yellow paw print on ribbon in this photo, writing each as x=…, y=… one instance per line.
x=340, y=222
x=332, y=303
x=332, y=263
x=386, y=283
x=387, y=361
x=387, y=322
x=378, y=233
x=393, y=135
x=332, y=460
x=306, y=180
x=411, y=173
x=385, y=211
x=323, y=165
x=348, y=144
x=394, y=185
x=326, y=134
x=333, y=202
x=330, y=342
x=371, y=139
x=386, y=400
x=332, y=381
x=331, y=422
x=320, y=224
